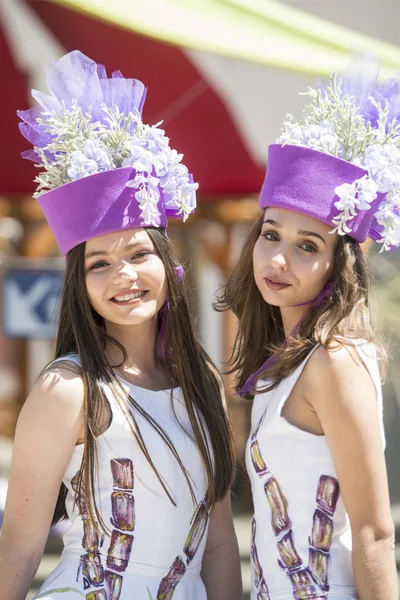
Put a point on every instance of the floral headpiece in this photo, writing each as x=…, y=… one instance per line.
x=103, y=168
x=341, y=163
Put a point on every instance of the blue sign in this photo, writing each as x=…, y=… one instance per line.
x=30, y=302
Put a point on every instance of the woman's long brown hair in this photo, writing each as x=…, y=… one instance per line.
x=344, y=313
x=81, y=331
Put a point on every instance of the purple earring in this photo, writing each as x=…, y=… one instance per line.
x=180, y=272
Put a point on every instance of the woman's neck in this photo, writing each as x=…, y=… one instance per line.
x=139, y=342
x=142, y=365
x=291, y=316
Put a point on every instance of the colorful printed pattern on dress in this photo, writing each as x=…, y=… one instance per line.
x=107, y=582
x=178, y=568
x=259, y=581
x=310, y=582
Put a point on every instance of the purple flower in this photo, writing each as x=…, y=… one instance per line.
x=94, y=158
x=77, y=78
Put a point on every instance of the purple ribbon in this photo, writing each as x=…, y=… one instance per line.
x=252, y=380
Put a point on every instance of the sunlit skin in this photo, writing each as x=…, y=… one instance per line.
x=118, y=265
x=292, y=261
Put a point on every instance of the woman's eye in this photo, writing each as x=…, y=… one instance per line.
x=271, y=236
x=140, y=255
x=97, y=265
x=307, y=247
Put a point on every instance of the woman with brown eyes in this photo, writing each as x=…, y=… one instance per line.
x=306, y=353
x=125, y=432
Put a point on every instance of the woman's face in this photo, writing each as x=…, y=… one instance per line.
x=292, y=258
x=125, y=277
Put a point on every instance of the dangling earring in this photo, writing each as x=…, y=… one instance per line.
x=164, y=310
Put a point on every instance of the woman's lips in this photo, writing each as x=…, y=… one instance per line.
x=130, y=300
x=276, y=285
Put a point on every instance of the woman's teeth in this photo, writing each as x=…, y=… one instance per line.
x=128, y=297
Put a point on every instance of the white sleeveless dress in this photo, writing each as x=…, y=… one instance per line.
x=301, y=537
x=153, y=550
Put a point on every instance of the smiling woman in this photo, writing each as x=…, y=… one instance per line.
x=127, y=426
x=125, y=278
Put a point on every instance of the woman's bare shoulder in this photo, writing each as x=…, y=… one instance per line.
x=338, y=371
x=59, y=387
x=335, y=358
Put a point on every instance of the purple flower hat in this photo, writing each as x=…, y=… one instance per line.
x=341, y=163
x=103, y=169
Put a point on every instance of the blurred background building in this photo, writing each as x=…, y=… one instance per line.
x=221, y=75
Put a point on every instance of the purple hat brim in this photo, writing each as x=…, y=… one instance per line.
x=95, y=205
x=304, y=180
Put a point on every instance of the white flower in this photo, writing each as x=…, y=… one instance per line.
x=154, y=139
x=383, y=164
x=148, y=196
x=366, y=192
x=168, y=165
x=95, y=150
x=140, y=159
x=94, y=158
x=81, y=166
x=314, y=132
x=347, y=194
x=159, y=167
x=354, y=197
x=388, y=216
x=358, y=194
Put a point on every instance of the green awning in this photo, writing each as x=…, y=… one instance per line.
x=261, y=31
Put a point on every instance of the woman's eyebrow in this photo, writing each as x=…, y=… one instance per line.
x=127, y=247
x=301, y=232
x=273, y=223
x=95, y=253
x=312, y=234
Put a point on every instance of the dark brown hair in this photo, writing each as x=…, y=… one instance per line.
x=343, y=313
x=81, y=330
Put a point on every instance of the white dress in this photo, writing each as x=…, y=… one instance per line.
x=153, y=550
x=301, y=537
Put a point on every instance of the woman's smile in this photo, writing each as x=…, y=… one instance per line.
x=124, y=270
x=129, y=297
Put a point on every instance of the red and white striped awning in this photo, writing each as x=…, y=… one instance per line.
x=217, y=73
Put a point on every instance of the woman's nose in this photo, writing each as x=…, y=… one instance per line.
x=126, y=272
x=279, y=261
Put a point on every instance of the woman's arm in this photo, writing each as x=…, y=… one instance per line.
x=221, y=562
x=347, y=411
x=221, y=570
x=48, y=428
